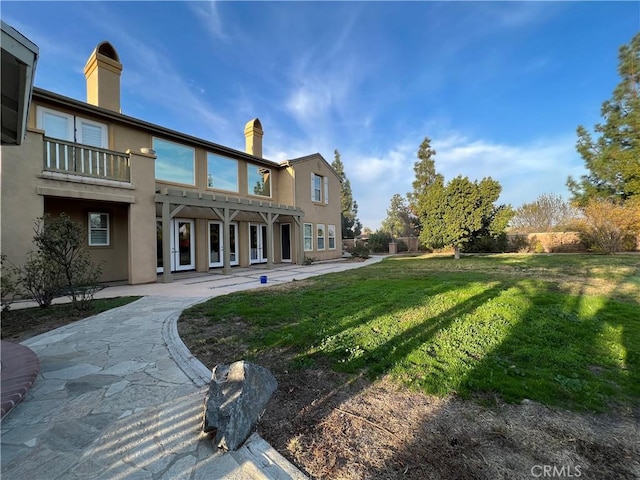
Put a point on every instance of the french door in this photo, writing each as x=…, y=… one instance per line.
x=216, y=244
x=258, y=243
x=285, y=240
x=182, y=245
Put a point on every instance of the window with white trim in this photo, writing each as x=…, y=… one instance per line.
x=319, y=189
x=308, y=237
x=98, y=229
x=320, y=235
x=331, y=233
x=70, y=128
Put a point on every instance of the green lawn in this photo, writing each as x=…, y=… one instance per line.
x=559, y=329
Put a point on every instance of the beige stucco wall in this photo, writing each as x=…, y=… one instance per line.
x=319, y=213
x=142, y=220
x=21, y=205
x=113, y=257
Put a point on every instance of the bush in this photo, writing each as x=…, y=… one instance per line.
x=402, y=246
x=308, y=260
x=8, y=284
x=379, y=242
x=360, y=250
x=41, y=278
x=488, y=244
x=610, y=227
x=59, y=266
x=61, y=242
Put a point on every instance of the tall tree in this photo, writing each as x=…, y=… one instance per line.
x=400, y=219
x=547, y=213
x=351, y=226
x=425, y=172
x=613, y=160
x=456, y=213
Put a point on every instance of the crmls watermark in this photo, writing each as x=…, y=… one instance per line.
x=553, y=471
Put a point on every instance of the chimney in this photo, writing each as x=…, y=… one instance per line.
x=253, y=135
x=103, y=71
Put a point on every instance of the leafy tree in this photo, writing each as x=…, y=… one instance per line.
x=456, y=213
x=611, y=227
x=400, y=219
x=613, y=158
x=547, y=213
x=351, y=226
x=60, y=248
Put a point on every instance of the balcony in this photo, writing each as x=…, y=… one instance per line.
x=85, y=161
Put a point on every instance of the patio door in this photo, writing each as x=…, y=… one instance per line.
x=216, y=244
x=182, y=245
x=285, y=240
x=258, y=243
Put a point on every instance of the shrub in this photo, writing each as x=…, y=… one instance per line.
x=41, y=278
x=609, y=227
x=308, y=260
x=402, y=246
x=8, y=284
x=61, y=242
x=379, y=242
x=487, y=244
x=360, y=250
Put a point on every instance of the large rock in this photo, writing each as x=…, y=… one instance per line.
x=238, y=395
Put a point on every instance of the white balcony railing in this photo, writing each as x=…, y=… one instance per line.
x=75, y=159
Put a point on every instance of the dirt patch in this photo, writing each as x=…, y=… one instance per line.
x=338, y=426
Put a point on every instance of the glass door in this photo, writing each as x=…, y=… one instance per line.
x=216, y=239
x=285, y=240
x=182, y=245
x=233, y=234
x=258, y=243
x=216, y=244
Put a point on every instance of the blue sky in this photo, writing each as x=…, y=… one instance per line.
x=499, y=87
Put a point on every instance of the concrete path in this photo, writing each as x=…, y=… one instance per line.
x=120, y=397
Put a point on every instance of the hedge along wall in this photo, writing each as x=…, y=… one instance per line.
x=551, y=242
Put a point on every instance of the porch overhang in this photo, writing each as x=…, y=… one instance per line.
x=19, y=58
x=173, y=201
x=210, y=200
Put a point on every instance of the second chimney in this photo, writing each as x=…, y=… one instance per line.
x=253, y=135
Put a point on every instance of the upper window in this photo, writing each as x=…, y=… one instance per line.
x=174, y=162
x=319, y=189
x=71, y=128
x=316, y=188
x=308, y=237
x=259, y=180
x=222, y=173
x=320, y=236
x=98, y=229
x=331, y=230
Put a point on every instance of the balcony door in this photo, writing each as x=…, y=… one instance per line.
x=216, y=244
x=182, y=245
x=258, y=242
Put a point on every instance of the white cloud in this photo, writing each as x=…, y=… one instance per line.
x=525, y=171
x=211, y=19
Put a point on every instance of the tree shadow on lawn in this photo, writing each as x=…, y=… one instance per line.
x=584, y=351
x=542, y=357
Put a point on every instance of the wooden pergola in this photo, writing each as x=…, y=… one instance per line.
x=173, y=201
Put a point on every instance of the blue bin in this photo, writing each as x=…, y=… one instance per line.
x=263, y=279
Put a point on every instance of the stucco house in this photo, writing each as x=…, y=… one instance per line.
x=156, y=201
